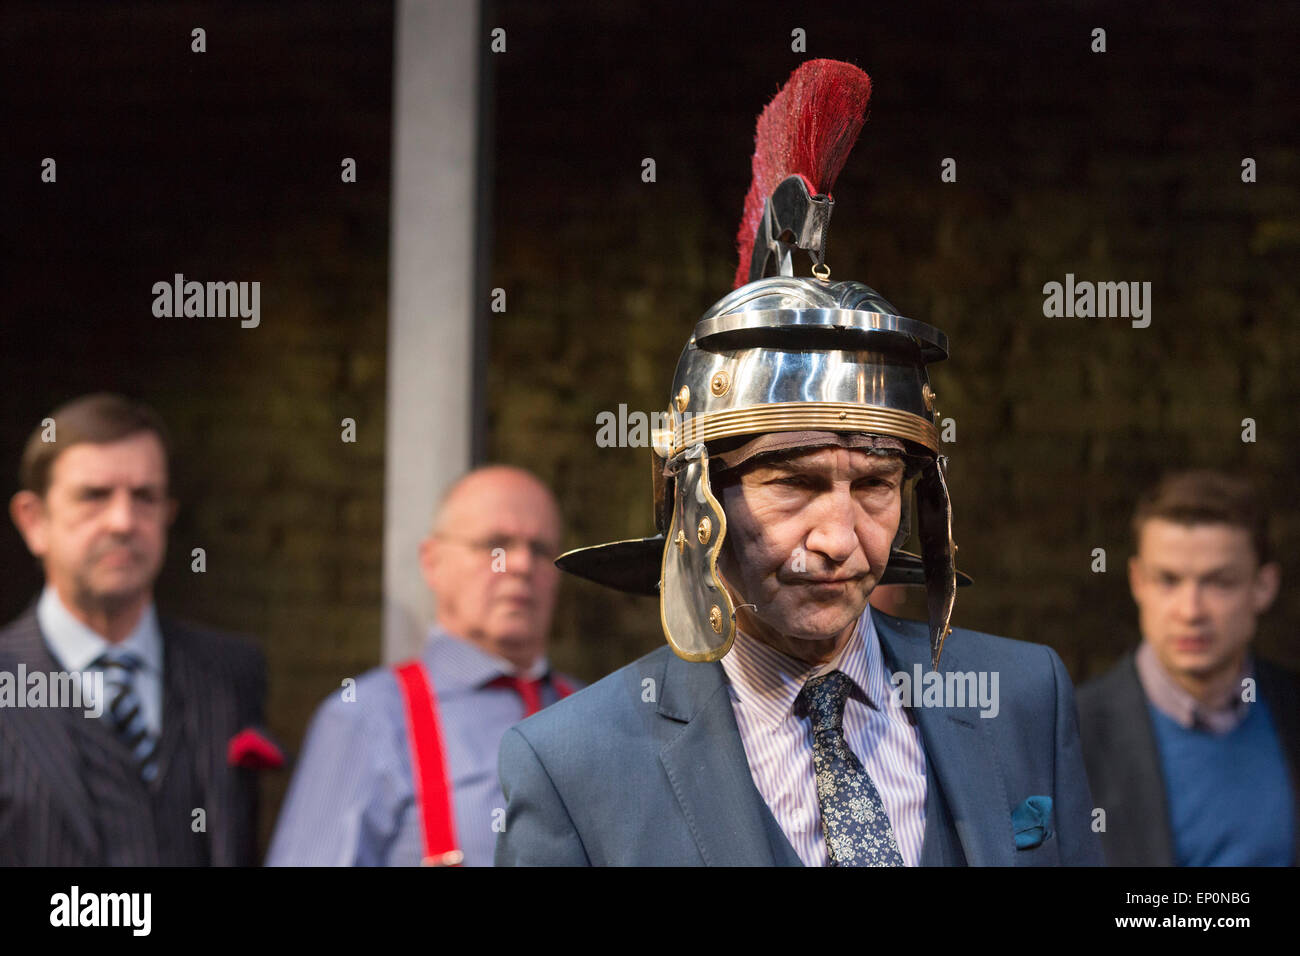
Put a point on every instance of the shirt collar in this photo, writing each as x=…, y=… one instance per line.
x=769, y=681
x=464, y=665
x=75, y=646
x=1178, y=705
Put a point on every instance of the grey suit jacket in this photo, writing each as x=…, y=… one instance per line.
x=214, y=685
x=1120, y=750
x=646, y=767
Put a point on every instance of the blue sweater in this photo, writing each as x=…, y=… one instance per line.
x=1229, y=796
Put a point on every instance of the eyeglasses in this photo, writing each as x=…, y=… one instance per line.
x=540, y=550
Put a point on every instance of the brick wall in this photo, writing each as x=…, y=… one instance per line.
x=1115, y=166
x=221, y=166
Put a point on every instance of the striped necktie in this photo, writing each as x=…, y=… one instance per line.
x=853, y=816
x=120, y=668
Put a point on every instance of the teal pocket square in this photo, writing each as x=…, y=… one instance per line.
x=1030, y=822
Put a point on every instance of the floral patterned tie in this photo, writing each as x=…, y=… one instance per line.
x=853, y=817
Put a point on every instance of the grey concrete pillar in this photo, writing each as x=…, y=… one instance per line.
x=431, y=343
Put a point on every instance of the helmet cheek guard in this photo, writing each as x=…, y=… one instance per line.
x=697, y=613
x=938, y=551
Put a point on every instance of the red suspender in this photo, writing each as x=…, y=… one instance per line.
x=428, y=766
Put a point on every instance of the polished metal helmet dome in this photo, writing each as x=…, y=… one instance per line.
x=787, y=354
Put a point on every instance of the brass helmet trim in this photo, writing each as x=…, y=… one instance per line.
x=805, y=416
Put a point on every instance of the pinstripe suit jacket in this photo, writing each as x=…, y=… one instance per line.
x=214, y=685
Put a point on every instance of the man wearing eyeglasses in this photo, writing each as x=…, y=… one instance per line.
x=402, y=770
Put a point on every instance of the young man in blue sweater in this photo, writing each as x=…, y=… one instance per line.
x=1192, y=743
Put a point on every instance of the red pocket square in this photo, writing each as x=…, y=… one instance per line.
x=254, y=750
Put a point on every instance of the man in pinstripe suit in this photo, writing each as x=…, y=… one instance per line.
x=149, y=781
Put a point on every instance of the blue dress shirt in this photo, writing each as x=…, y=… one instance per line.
x=352, y=798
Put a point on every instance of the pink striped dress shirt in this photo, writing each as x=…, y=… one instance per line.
x=779, y=744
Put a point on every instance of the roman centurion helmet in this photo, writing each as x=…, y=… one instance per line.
x=785, y=362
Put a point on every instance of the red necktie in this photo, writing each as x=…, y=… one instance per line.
x=529, y=690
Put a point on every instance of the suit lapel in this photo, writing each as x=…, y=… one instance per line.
x=710, y=776
x=47, y=733
x=1136, y=756
x=959, y=753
